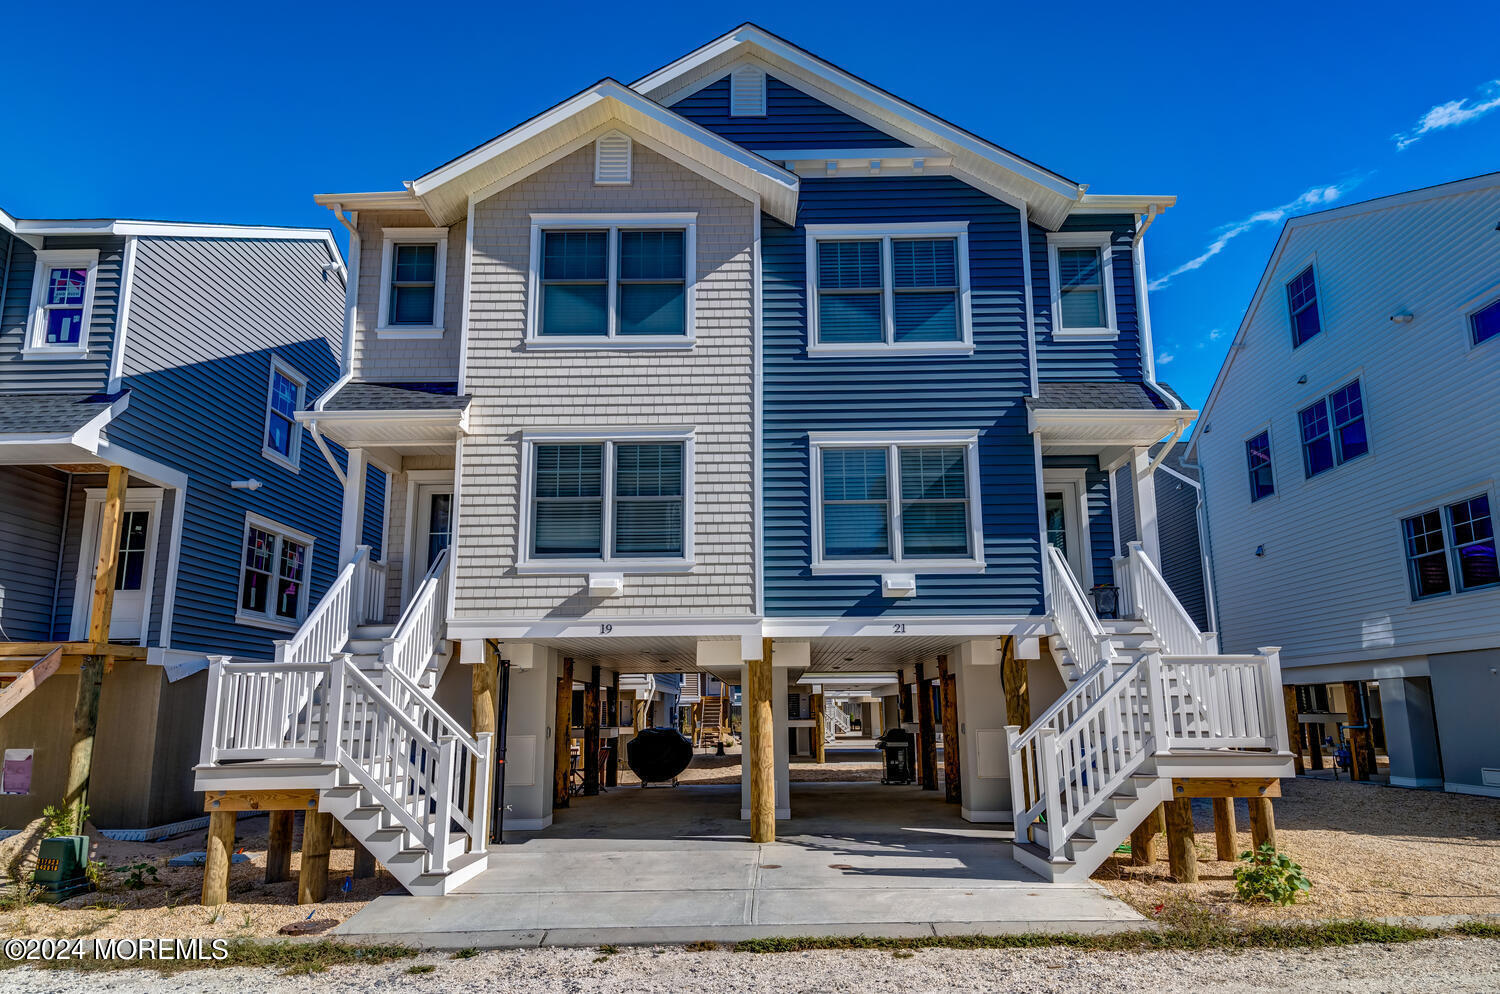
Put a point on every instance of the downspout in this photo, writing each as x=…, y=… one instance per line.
x=1143, y=304
x=1167, y=447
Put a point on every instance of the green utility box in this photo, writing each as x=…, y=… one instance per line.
x=62, y=868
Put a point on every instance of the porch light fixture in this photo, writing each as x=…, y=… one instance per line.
x=251, y=484
x=1402, y=318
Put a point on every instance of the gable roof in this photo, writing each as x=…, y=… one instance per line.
x=1295, y=224
x=1049, y=197
x=444, y=192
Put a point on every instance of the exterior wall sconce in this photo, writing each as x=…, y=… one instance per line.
x=1402, y=318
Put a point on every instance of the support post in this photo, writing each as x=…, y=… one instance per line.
x=279, y=848
x=91, y=671
x=1143, y=838
x=484, y=715
x=819, y=729
x=952, y=776
x=926, y=730
x=562, y=735
x=1293, y=726
x=217, y=857
x=1014, y=679
x=1182, y=854
x=760, y=735
x=1361, y=744
x=612, y=712
x=1224, y=829
x=364, y=862
x=1262, y=823
x=1315, y=745
x=591, y=735
x=312, y=879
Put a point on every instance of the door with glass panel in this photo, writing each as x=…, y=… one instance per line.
x=133, y=572
x=1064, y=520
x=434, y=526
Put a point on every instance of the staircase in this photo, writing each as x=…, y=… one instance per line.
x=835, y=721
x=1148, y=699
x=711, y=721
x=347, y=708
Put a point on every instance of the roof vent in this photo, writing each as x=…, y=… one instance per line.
x=612, y=158
x=747, y=92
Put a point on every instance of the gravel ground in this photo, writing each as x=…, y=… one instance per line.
x=1369, y=851
x=1451, y=966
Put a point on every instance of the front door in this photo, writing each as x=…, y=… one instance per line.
x=1063, y=513
x=434, y=525
x=133, y=573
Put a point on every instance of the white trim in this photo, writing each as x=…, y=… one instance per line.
x=1469, y=788
x=1041, y=520
x=1472, y=307
x=601, y=175
x=392, y=237
x=614, y=223
x=164, y=476
x=421, y=486
x=887, y=625
x=463, y=317
x=606, y=562
x=122, y=312
x=1104, y=242
x=180, y=229
x=535, y=629
x=757, y=416
x=293, y=459
x=1072, y=482
x=893, y=442
x=1143, y=312
x=886, y=233
x=1027, y=295
x=36, y=333
x=136, y=499
x=281, y=532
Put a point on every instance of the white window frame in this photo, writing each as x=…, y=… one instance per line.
x=293, y=461
x=412, y=236
x=269, y=620
x=1441, y=504
x=46, y=261
x=1265, y=429
x=1310, y=262
x=687, y=221
x=893, y=443
x=605, y=562
x=1104, y=242
x=885, y=233
x=1473, y=307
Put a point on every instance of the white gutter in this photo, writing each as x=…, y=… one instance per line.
x=1168, y=446
x=1143, y=305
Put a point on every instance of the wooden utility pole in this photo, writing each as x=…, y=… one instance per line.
x=591, y=735
x=1361, y=743
x=91, y=672
x=760, y=734
x=1014, y=680
x=562, y=735
x=1143, y=838
x=1224, y=829
x=819, y=729
x=926, y=731
x=952, y=780
x=1182, y=853
x=1293, y=726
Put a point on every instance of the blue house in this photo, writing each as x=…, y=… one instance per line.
x=150, y=377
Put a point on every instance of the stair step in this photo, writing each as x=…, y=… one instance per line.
x=372, y=631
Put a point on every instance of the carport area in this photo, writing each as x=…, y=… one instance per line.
x=676, y=865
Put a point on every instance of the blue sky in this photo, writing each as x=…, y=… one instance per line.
x=1248, y=113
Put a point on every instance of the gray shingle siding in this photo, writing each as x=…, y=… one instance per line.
x=377, y=358
x=88, y=374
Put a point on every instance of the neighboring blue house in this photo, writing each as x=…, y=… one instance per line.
x=181, y=353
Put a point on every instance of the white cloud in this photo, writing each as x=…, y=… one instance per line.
x=1317, y=196
x=1451, y=114
x=1162, y=358
x=1215, y=335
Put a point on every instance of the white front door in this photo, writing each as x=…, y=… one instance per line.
x=136, y=568
x=1066, y=517
x=434, y=525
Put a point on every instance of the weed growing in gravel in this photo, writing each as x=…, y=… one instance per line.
x=701, y=946
x=467, y=952
x=1268, y=875
x=420, y=968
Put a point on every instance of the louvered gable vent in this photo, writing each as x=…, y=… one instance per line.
x=612, y=158
x=747, y=92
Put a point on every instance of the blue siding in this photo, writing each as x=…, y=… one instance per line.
x=1072, y=360
x=1101, y=521
x=87, y=374
x=793, y=120
x=372, y=530
x=983, y=391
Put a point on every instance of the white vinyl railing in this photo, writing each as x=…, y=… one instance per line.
x=1077, y=626
x=1144, y=593
x=1093, y=738
x=372, y=594
x=326, y=630
x=415, y=640
x=263, y=711
x=835, y=721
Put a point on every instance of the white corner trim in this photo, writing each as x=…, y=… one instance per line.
x=392, y=237
x=122, y=315
x=1104, y=242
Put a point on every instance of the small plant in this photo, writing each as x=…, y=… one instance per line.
x=1270, y=876
x=701, y=946
x=136, y=874
x=64, y=821
x=902, y=954
x=421, y=968
x=467, y=952
x=95, y=872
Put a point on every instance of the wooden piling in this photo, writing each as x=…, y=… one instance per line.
x=1262, y=823
x=1361, y=742
x=1013, y=678
x=819, y=730
x=279, y=848
x=312, y=879
x=364, y=862
x=926, y=730
x=591, y=735
x=952, y=775
x=1182, y=853
x=1293, y=726
x=217, y=856
x=1224, y=841
x=1143, y=838
x=562, y=735
x=760, y=735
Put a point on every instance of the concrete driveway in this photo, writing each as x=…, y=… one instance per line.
x=676, y=865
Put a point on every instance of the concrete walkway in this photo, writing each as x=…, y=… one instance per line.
x=675, y=865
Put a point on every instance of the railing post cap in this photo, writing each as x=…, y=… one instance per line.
x=1047, y=732
x=1264, y=650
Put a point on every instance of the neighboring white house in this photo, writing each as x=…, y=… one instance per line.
x=1350, y=449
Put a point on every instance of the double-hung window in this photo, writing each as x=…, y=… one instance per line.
x=1451, y=548
x=873, y=288
x=1258, y=461
x=1302, y=306
x=911, y=503
x=1080, y=264
x=1484, y=324
x=282, y=438
x=275, y=568
x=623, y=501
x=413, y=269
x=62, y=297
x=620, y=280
x=1333, y=430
